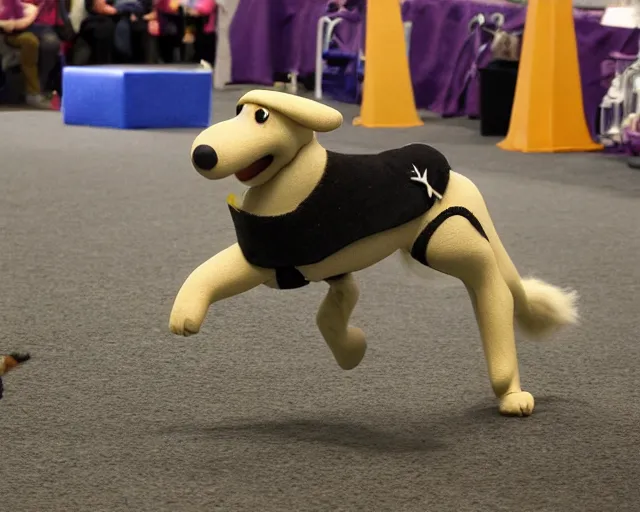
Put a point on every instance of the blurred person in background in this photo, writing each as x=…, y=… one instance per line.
x=16, y=19
x=187, y=22
x=111, y=31
x=51, y=27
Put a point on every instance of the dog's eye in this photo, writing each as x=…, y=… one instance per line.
x=262, y=114
x=239, y=109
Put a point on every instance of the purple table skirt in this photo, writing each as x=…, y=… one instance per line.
x=279, y=36
x=275, y=36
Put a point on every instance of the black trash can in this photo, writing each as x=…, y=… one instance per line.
x=497, y=90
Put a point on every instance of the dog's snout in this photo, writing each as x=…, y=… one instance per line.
x=204, y=157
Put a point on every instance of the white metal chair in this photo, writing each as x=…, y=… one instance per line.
x=326, y=27
x=620, y=100
x=408, y=28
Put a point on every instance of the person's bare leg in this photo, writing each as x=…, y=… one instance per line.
x=347, y=343
x=457, y=249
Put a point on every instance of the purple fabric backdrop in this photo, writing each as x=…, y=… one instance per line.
x=274, y=36
x=443, y=49
x=250, y=38
x=348, y=34
x=438, y=78
x=280, y=35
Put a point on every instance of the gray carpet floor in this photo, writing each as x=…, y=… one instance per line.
x=98, y=230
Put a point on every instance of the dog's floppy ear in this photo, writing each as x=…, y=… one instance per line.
x=306, y=112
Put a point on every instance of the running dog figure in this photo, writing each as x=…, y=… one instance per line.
x=312, y=215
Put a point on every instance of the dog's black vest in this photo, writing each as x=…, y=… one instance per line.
x=357, y=196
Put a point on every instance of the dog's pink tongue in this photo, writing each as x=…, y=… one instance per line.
x=254, y=169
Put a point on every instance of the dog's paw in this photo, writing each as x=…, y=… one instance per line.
x=352, y=349
x=519, y=403
x=184, y=323
x=187, y=315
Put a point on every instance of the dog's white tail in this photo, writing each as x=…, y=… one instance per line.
x=540, y=308
x=547, y=308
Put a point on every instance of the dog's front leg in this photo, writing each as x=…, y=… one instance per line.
x=226, y=274
x=347, y=343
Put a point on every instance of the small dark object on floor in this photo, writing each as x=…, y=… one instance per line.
x=634, y=162
x=8, y=362
x=20, y=358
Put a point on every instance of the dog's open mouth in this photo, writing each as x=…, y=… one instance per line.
x=248, y=173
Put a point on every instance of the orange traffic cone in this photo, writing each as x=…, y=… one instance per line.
x=387, y=97
x=548, y=114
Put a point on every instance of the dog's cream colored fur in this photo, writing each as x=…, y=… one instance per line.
x=497, y=292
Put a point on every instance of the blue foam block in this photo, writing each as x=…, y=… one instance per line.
x=136, y=97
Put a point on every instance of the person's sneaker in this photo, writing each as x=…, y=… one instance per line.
x=56, y=103
x=38, y=101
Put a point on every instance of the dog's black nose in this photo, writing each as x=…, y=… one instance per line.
x=204, y=157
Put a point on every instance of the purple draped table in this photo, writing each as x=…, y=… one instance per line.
x=442, y=53
x=275, y=36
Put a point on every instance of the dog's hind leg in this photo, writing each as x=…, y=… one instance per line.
x=540, y=307
x=347, y=343
x=458, y=248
